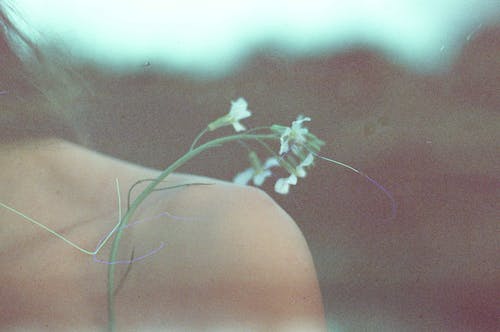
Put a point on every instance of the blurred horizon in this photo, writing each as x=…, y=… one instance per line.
x=213, y=38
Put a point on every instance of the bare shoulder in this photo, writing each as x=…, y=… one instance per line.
x=233, y=255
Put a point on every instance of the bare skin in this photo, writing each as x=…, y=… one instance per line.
x=236, y=260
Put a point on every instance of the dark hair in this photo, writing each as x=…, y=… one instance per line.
x=36, y=87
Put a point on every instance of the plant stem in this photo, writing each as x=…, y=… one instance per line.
x=145, y=193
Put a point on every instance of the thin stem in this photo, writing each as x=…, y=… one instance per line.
x=378, y=185
x=145, y=193
x=129, y=267
x=337, y=162
x=204, y=131
x=250, y=131
x=267, y=147
x=198, y=138
x=162, y=188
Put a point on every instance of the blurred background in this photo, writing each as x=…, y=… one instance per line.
x=406, y=91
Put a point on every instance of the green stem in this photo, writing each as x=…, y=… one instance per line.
x=197, y=139
x=145, y=193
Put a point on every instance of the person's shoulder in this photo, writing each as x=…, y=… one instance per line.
x=254, y=250
x=246, y=208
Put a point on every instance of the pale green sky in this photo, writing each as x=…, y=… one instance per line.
x=212, y=36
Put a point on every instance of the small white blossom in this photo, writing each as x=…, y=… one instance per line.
x=297, y=138
x=237, y=112
x=294, y=134
x=299, y=170
x=244, y=177
x=271, y=162
x=257, y=177
x=282, y=186
x=257, y=173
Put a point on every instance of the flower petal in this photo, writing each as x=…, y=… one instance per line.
x=238, y=126
x=300, y=171
x=260, y=177
x=292, y=179
x=244, y=177
x=282, y=187
x=239, y=109
x=308, y=160
x=271, y=162
x=298, y=123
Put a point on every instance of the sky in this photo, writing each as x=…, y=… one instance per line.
x=213, y=37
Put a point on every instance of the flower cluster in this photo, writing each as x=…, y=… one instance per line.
x=297, y=149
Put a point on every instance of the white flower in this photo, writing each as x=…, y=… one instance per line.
x=282, y=186
x=297, y=138
x=257, y=178
x=257, y=173
x=299, y=170
x=237, y=112
x=294, y=134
